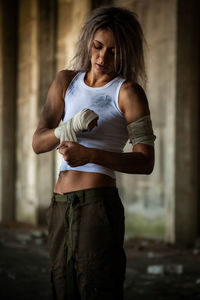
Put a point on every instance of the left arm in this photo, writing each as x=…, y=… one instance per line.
x=134, y=105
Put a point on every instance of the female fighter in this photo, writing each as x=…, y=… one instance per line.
x=101, y=105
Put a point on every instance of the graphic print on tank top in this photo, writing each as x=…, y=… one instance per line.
x=101, y=102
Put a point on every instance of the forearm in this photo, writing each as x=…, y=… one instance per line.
x=130, y=162
x=44, y=140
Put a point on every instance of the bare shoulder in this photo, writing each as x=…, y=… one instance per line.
x=133, y=92
x=133, y=87
x=63, y=79
x=133, y=101
x=64, y=75
x=53, y=110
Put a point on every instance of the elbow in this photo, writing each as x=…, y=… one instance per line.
x=149, y=168
x=148, y=171
x=35, y=146
x=35, y=149
x=36, y=152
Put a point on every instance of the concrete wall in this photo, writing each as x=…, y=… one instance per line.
x=165, y=204
x=145, y=196
x=71, y=14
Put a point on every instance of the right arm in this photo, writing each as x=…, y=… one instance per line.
x=44, y=138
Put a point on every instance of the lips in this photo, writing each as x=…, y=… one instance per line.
x=100, y=67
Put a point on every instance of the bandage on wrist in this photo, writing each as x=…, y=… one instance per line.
x=141, y=131
x=67, y=131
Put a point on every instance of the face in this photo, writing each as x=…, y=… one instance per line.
x=103, y=52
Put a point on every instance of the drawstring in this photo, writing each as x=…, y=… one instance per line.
x=71, y=279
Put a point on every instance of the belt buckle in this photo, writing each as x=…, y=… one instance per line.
x=70, y=197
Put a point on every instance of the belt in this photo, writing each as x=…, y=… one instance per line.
x=101, y=191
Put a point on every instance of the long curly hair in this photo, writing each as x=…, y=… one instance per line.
x=129, y=39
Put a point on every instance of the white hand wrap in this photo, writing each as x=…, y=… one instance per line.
x=67, y=131
x=141, y=131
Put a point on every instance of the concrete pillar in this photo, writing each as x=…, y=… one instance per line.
x=36, y=70
x=27, y=99
x=8, y=57
x=47, y=39
x=1, y=103
x=187, y=121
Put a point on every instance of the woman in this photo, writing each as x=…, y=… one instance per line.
x=101, y=105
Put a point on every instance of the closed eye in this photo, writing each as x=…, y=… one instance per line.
x=97, y=47
x=112, y=50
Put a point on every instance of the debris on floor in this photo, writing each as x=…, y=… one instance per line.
x=167, y=269
x=155, y=270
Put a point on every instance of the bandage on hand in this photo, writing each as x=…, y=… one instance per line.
x=84, y=120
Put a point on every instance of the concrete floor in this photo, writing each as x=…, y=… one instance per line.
x=155, y=270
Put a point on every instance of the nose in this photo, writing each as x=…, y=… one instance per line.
x=103, y=55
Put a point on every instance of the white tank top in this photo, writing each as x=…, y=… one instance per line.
x=111, y=133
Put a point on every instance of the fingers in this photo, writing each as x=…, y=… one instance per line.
x=65, y=152
x=64, y=144
x=65, y=148
x=73, y=153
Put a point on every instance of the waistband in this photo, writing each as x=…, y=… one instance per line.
x=88, y=193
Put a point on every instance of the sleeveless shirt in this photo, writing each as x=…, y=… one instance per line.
x=111, y=133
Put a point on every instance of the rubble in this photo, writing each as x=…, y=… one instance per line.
x=165, y=269
x=150, y=254
x=39, y=237
x=196, y=251
x=174, y=269
x=155, y=270
x=37, y=234
x=23, y=238
x=198, y=281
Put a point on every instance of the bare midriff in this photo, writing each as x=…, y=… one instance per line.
x=70, y=181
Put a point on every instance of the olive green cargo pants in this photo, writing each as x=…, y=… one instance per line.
x=85, y=241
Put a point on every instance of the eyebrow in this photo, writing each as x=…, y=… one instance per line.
x=103, y=45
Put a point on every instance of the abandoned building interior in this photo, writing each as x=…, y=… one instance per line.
x=37, y=40
x=162, y=210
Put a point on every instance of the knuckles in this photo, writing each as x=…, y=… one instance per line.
x=72, y=153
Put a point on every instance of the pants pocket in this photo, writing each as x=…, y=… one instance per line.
x=114, y=211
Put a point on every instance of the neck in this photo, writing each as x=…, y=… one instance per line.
x=98, y=80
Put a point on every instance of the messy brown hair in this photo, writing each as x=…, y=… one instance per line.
x=129, y=39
